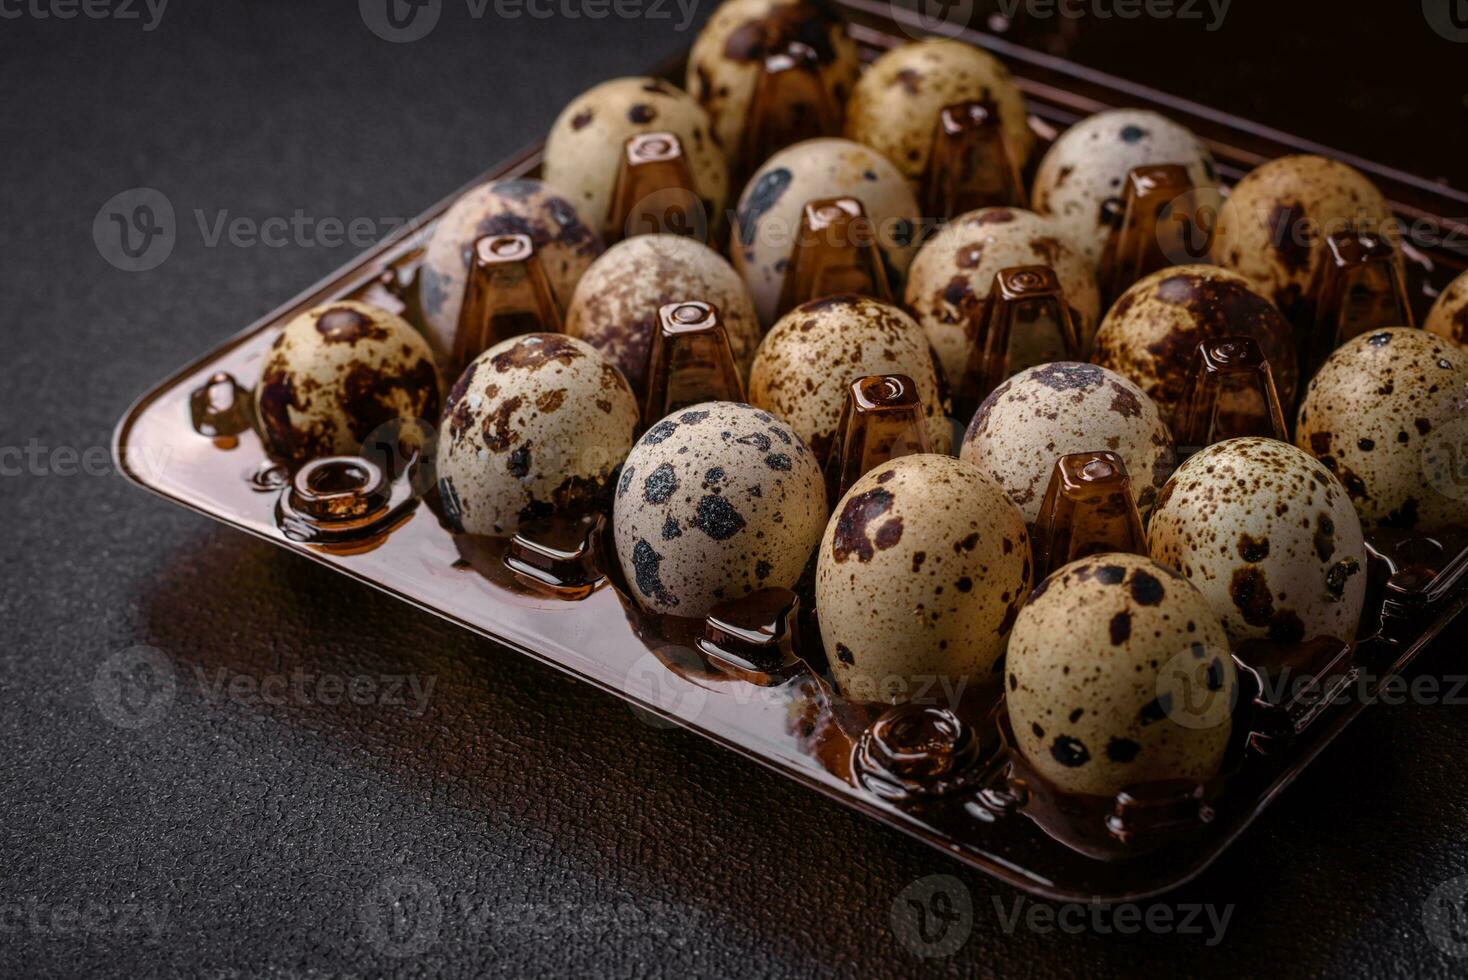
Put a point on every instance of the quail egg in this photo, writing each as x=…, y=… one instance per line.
x=922, y=570
x=1449, y=316
x=584, y=150
x=1119, y=674
x=565, y=244
x=616, y=305
x=895, y=106
x=809, y=359
x=1046, y=412
x=767, y=221
x=727, y=58
x=1272, y=228
x=536, y=425
x=1082, y=177
x=955, y=271
x=1153, y=331
x=1388, y=414
x=715, y=502
x=338, y=372
x=1269, y=537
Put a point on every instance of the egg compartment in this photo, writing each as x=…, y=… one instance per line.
x=185, y=440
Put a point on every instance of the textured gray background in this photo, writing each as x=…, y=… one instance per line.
x=531, y=826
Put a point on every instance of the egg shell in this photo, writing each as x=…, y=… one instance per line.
x=565, y=244
x=895, y=106
x=1388, y=414
x=922, y=570
x=1269, y=537
x=585, y=147
x=725, y=61
x=338, y=372
x=767, y=221
x=1046, y=412
x=615, y=308
x=1119, y=674
x=1082, y=177
x=960, y=262
x=1151, y=334
x=535, y=426
x=715, y=502
x=809, y=359
x=1273, y=225
x=1449, y=315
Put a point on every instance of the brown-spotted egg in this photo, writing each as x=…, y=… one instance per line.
x=1388, y=414
x=1449, y=316
x=565, y=244
x=535, y=426
x=809, y=359
x=922, y=570
x=767, y=222
x=951, y=278
x=715, y=502
x=1118, y=674
x=1269, y=537
x=1152, y=333
x=1048, y=411
x=338, y=372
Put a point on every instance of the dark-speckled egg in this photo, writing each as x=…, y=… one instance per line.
x=1449, y=316
x=1388, y=414
x=715, y=502
x=584, y=149
x=535, y=426
x=922, y=570
x=1272, y=228
x=616, y=305
x=955, y=271
x=727, y=57
x=809, y=359
x=338, y=372
x=767, y=222
x=1269, y=537
x=895, y=106
x=1119, y=674
x=1152, y=332
x=1046, y=412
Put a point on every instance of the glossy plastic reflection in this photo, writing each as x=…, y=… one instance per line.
x=559, y=555
x=835, y=252
x=340, y=499
x=1024, y=298
x=790, y=102
x=689, y=361
x=507, y=294
x=1088, y=509
x=654, y=192
x=1359, y=286
x=882, y=419
x=1147, y=239
x=753, y=638
x=970, y=164
x=1230, y=394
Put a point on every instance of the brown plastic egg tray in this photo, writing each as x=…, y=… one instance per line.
x=752, y=675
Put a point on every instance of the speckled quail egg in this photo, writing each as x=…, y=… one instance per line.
x=338, y=372
x=1388, y=414
x=1152, y=332
x=565, y=244
x=895, y=106
x=1269, y=537
x=1082, y=177
x=715, y=502
x=616, y=305
x=584, y=149
x=807, y=362
x=536, y=425
x=1119, y=674
x=1046, y=412
x=767, y=222
x=922, y=570
x=955, y=271
x=1272, y=228
x=1449, y=316
x=726, y=59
